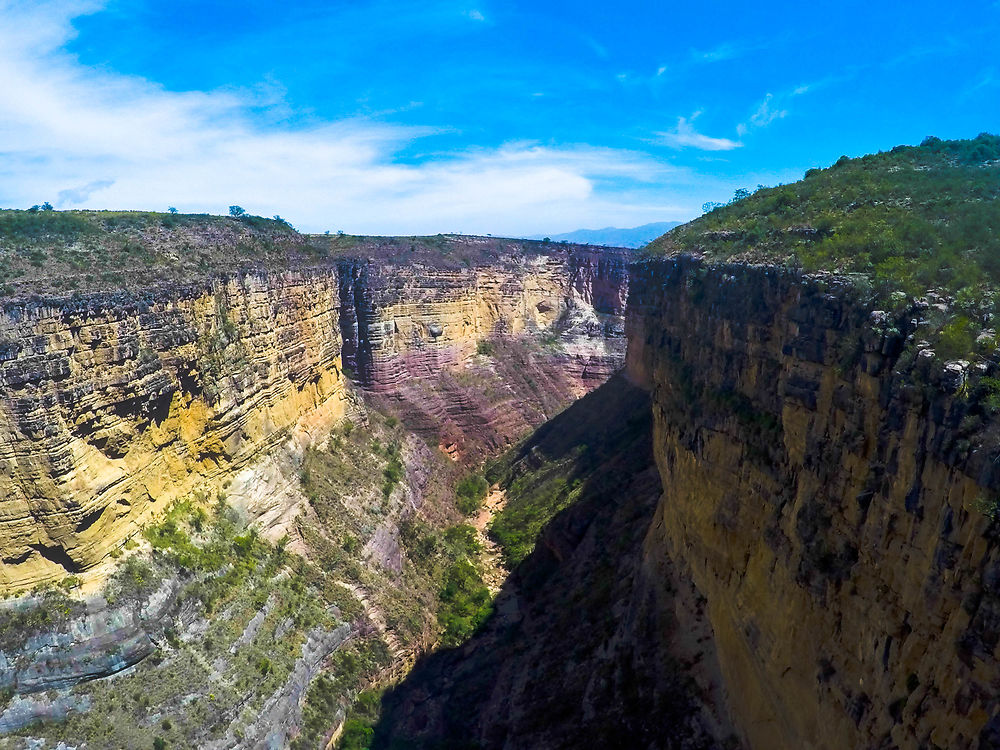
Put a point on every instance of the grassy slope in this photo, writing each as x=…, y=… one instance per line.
x=913, y=218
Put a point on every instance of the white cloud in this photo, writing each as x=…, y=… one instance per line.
x=475, y=15
x=767, y=113
x=85, y=137
x=725, y=51
x=685, y=135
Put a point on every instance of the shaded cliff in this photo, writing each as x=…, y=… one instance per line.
x=596, y=640
x=824, y=489
x=826, y=446
x=828, y=495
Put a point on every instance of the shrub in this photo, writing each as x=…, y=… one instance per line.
x=393, y=472
x=957, y=338
x=465, y=603
x=357, y=735
x=470, y=493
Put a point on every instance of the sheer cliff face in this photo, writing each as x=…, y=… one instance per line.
x=824, y=505
x=116, y=404
x=412, y=331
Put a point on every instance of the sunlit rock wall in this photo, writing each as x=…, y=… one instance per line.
x=113, y=405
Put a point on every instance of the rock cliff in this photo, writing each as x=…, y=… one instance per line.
x=816, y=569
x=824, y=486
x=435, y=343
x=116, y=403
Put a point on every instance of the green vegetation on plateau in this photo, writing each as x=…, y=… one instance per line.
x=65, y=252
x=913, y=218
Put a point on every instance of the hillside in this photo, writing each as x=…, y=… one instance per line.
x=65, y=252
x=913, y=218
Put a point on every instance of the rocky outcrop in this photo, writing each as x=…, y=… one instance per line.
x=412, y=332
x=823, y=489
x=115, y=404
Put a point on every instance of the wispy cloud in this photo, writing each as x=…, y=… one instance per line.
x=79, y=195
x=475, y=15
x=685, y=136
x=725, y=51
x=87, y=137
x=987, y=78
x=774, y=107
x=766, y=113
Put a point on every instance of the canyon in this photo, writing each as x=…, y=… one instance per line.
x=120, y=403
x=738, y=499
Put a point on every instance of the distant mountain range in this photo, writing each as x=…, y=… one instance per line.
x=615, y=236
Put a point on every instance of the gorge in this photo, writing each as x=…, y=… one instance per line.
x=744, y=483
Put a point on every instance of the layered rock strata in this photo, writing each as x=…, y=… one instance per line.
x=824, y=489
x=412, y=332
x=116, y=404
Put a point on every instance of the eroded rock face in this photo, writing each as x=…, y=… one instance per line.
x=824, y=507
x=401, y=321
x=115, y=405
x=411, y=334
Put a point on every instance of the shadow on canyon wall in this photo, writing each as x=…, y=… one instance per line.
x=583, y=648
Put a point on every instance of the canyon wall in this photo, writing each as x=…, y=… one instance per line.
x=830, y=488
x=115, y=404
x=438, y=345
x=596, y=641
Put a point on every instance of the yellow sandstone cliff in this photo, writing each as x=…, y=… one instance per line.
x=827, y=506
x=115, y=405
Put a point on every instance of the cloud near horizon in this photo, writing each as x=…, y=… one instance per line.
x=83, y=137
x=684, y=135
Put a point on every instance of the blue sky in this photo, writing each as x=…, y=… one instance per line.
x=474, y=116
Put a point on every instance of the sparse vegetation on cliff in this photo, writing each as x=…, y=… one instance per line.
x=913, y=218
x=240, y=613
x=470, y=492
